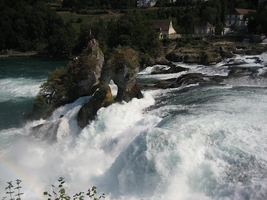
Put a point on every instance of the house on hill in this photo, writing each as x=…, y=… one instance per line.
x=237, y=16
x=146, y=3
x=165, y=29
x=204, y=28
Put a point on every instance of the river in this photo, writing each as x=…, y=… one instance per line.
x=200, y=141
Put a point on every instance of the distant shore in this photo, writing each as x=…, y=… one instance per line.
x=11, y=53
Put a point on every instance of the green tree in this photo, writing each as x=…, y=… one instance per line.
x=257, y=23
x=26, y=23
x=234, y=27
x=134, y=30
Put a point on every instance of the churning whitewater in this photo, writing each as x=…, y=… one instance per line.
x=201, y=141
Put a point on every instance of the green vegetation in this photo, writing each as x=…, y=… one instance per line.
x=103, y=4
x=13, y=191
x=31, y=25
x=122, y=56
x=57, y=193
x=34, y=24
x=258, y=21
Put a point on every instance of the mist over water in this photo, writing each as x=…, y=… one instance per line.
x=196, y=142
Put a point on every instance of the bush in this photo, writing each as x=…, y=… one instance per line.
x=58, y=192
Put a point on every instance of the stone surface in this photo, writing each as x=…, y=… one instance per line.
x=102, y=98
x=122, y=67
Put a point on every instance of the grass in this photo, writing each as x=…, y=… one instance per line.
x=75, y=18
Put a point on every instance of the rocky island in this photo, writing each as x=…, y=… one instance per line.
x=90, y=74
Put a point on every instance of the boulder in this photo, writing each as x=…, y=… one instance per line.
x=168, y=70
x=225, y=53
x=101, y=98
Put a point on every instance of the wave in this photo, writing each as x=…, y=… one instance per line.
x=15, y=88
x=197, y=142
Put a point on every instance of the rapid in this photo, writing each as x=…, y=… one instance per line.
x=200, y=141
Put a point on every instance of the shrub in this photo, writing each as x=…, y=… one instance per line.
x=58, y=192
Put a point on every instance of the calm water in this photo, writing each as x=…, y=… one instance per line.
x=196, y=142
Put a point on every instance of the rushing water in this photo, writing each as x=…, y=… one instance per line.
x=196, y=142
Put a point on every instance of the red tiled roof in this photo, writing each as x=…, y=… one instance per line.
x=243, y=11
x=161, y=24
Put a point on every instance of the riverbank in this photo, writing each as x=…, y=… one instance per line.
x=11, y=53
x=207, y=51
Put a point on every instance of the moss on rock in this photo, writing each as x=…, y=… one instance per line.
x=121, y=57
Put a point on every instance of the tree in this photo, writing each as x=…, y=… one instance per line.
x=257, y=23
x=26, y=23
x=234, y=27
x=134, y=30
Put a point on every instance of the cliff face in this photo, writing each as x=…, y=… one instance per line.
x=86, y=69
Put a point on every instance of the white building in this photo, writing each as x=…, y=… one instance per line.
x=164, y=29
x=146, y=3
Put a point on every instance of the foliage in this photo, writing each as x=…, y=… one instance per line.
x=234, y=27
x=32, y=25
x=136, y=31
x=133, y=29
x=257, y=23
x=13, y=193
x=188, y=41
x=122, y=56
x=54, y=86
x=115, y=4
x=26, y=24
x=58, y=192
x=64, y=83
x=40, y=102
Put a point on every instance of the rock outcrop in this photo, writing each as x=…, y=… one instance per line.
x=89, y=74
x=213, y=52
x=122, y=67
x=90, y=63
x=102, y=98
x=236, y=70
x=201, y=56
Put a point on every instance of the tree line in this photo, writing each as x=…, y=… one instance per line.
x=119, y=4
x=30, y=24
x=33, y=25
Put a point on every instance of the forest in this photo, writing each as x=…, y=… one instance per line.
x=33, y=25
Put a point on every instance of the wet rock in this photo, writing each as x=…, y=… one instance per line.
x=168, y=69
x=225, y=53
x=102, y=98
x=122, y=67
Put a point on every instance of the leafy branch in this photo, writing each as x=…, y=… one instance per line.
x=10, y=190
x=59, y=193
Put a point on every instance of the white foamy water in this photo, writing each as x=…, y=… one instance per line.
x=12, y=88
x=198, y=142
